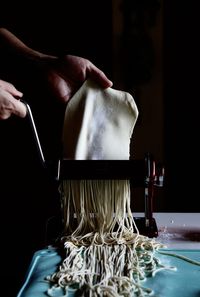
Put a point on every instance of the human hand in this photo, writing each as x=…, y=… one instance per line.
x=67, y=74
x=9, y=102
x=64, y=75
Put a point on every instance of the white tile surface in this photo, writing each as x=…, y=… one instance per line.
x=178, y=230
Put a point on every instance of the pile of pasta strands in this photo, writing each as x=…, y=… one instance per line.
x=105, y=254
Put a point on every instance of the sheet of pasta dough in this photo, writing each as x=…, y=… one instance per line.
x=98, y=124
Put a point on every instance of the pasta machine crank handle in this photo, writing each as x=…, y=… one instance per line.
x=52, y=168
x=33, y=127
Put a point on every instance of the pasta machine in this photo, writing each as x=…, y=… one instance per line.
x=143, y=173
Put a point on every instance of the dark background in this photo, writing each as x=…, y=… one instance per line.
x=181, y=97
x=28, y=195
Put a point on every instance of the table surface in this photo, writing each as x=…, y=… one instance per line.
x=178, y=230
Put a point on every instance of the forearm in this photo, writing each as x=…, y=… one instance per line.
x=13, y=45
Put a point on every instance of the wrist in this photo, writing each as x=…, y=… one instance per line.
x=37, y=56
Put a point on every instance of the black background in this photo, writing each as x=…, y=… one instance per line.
x=28, y=193
x=181, y=95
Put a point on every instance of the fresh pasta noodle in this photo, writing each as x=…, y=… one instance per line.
x=105, y=254
x=101, y=208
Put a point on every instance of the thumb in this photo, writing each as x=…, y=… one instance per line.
x=19, y=108
x=99, y=76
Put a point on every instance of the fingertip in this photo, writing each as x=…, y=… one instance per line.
x=20, y=109
x=108, y=84
x=19, y=94
x=100, y=77
x=23, y=111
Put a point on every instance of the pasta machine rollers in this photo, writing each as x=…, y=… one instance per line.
x=144, y=173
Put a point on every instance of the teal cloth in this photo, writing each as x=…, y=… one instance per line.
x=184, y=282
